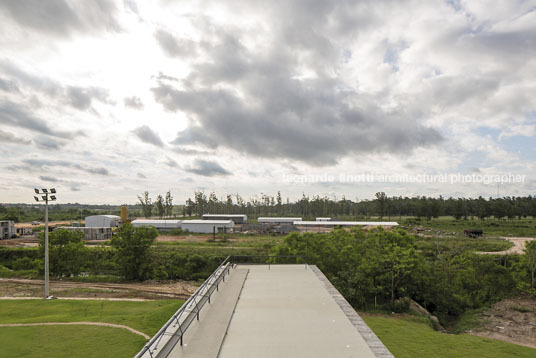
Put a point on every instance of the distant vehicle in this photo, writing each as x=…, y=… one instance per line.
x=473, y=233
x=36, y=222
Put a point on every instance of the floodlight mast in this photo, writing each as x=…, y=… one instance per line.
x=46, y=200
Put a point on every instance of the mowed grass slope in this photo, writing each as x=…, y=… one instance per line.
x=146, y=316
x=412, y=337
x=68, y=341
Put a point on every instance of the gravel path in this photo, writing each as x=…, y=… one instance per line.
x=519, y=246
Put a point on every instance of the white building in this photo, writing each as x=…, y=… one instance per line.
x=159, y=224
x=237, y=218
x=270, y=220
x=103, y=221
x=323, y=219
x=92, y=233
x=207, y=226
x=7, y=230
x=345, y=223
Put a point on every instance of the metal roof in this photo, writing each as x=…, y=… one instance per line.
x=153, y=222
x=278, y=219
x=208, y=222
x=225, y=215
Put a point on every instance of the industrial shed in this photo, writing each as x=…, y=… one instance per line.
x=237, y=218
x=323, y=219
x=92, y=233
x=103, y=221
x=270, y=220
x=159, y=224
x=207, y=226
x=7, y=230
x=345, y=223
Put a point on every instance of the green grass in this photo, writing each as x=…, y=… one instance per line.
x=413, y=337
x=490, y=227
x=68, y=341
x=146, y=316
x=486, y=244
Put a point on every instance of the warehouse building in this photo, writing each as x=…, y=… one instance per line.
x=345, y=223
x=207, y=226
x=277, y=221
x=7, y=230
x=158, y=224
x=103, y=221
x=92, y=233
x=237, y=218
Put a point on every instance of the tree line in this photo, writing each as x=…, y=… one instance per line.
x=382, y=206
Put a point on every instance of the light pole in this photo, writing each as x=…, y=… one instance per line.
x=46, y=199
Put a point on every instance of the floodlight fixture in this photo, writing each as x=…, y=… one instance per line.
x=44, y=197
x=53, y=197
x=53, y=190
x=45, y=191
x=36, y=198
x=36, y=191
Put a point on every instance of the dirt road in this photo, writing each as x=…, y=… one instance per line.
x=519, y=246
x=144, y=290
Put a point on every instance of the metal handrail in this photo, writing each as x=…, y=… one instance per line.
x=189, y=310
x=192, y=307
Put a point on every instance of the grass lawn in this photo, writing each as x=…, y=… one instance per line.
x=413, y=337
x=68, y=341
x=490, y=227
x=147, y=316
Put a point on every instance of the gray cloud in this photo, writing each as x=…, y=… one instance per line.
x=50, y=179
x=62, y=18
x=175, y=47
x=8, y=86
x=207, y=168
x=8, y=137
x=81, y=98
x=14, y=115
x=133, y=102
x=48, y=143
x=141, y=176
x=44, y=163
x=78, y=97
x=147, y=135
x=309, y=122
x=171, y=163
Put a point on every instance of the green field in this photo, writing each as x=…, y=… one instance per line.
x=79, y=341
x=68, y=341
x=146, y=316
x=413, y=337
x=490, y=227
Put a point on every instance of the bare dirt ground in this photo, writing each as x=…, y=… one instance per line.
x=519, y=246
x=23, y=241
x=21, y=288
x=102, y=324
x=511, y=320
x=50, y=223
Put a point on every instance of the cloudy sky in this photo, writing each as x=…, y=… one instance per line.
x=105, y=99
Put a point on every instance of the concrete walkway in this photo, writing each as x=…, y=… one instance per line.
x=286, y=311
x=204, y=337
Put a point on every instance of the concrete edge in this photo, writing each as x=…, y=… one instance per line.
x=376, y=346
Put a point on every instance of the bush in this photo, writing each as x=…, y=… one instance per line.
x=400, y=305
x=26, y=263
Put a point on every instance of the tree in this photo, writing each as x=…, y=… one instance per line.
x=530, y=252
x=66, y=252
x=168, y=204
x=133, y=250
x=146, y=206
x=159, y=205
x=382, y=200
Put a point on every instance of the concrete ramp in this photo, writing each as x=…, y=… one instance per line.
x=205, y=337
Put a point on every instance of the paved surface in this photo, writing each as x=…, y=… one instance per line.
x=205, y=337
x=286, y=311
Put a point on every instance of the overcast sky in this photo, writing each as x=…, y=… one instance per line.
x=105, y=99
